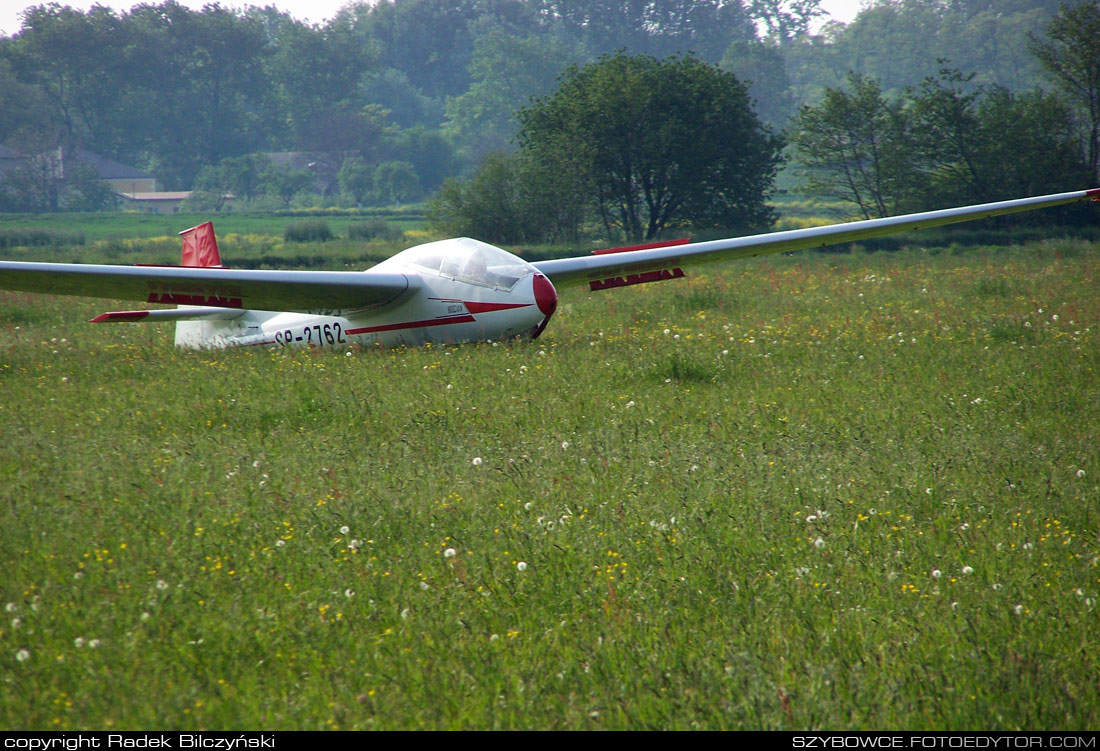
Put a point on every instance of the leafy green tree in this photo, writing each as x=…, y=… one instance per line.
x=203, y=94
x=396, y=182
x=356, y=179
x=951, y=135
x=1070, y=56
x=510, y=199
x=662, y=143
x=761, y=66
x=856, y=146
x=656, y=27
x=786, y=19
x=487, y=206
x=316, y=70
x=507, y=71
x=285, y=182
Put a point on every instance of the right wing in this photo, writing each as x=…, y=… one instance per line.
x=638, y=266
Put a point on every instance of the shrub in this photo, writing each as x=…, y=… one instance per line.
x=308, y=231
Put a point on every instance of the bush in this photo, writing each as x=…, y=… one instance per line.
x=11, y=238
x=374, y=229
x=309, y=231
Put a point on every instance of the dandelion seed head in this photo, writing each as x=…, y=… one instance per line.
x=967, y=570
x=819, y=543
x=1080, y=473
x=22, y=655
x=936, y=573
x=78, y=642
x=521, y=566
x=345, y=529
x=424, y=585
x=477, y=461
x=94, y=643
x=162, y=585
x=449, y=553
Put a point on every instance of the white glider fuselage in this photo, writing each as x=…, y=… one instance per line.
x=459, y=290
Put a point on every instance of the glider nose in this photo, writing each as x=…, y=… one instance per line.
x=546, y=298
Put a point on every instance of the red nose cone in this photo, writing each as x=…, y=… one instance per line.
x=546, y=297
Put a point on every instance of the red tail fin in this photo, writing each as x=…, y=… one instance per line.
x=200, y=247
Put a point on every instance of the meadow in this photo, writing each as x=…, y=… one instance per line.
x=843, y=491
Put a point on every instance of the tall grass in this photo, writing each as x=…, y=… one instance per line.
x=854, y=491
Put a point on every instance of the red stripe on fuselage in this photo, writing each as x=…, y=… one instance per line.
x=412, y=324
x=489, y=307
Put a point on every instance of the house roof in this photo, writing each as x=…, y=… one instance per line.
x=108, y=169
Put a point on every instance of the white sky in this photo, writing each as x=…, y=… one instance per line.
x=314, y=11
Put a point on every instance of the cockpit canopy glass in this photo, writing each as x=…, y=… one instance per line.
x=467, y=260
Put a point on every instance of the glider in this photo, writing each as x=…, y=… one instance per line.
x=449, y=291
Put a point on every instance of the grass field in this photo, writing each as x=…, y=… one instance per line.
x=821, y=491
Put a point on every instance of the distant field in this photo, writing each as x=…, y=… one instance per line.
x=821, y=491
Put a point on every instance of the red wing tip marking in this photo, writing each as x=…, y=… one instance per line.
x=121, y=315
x=646, y=246
x=649, y=276
x=1094, y=194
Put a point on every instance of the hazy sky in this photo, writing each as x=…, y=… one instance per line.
x=315, y=11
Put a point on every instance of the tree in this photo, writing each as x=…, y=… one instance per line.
x=950, y=133
x=507, y=71
x=356, y=179
x=855, y=146
x=670, y=143
x=1070, y=55
x=396, y=182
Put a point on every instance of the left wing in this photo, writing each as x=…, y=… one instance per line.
x=638, y=266
x=211, y=287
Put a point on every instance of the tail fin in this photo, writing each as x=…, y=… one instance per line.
x=200, y=247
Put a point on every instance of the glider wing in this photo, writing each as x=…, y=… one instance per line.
x=620, y=269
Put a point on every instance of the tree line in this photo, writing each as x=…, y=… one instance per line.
x=389, y=100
